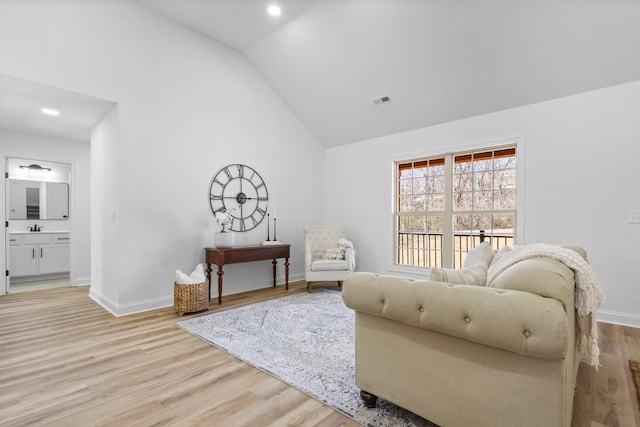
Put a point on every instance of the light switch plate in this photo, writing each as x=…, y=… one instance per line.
x=634, y=217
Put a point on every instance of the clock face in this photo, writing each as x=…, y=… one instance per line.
x=239, y=190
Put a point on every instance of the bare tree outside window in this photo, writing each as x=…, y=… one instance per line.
x=482, y=201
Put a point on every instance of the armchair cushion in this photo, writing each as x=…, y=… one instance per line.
x=329, y=265
x=334, y=253
x=338, y=250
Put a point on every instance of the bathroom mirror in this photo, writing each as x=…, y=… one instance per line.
x=38, y=199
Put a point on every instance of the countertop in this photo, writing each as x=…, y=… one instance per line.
x=39, y=232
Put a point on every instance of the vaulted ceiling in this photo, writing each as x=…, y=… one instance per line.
x=436, y=60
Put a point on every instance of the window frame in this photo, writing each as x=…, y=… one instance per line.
x=517, y=142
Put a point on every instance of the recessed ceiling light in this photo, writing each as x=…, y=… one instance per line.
x=274, y=10
x=50, y=112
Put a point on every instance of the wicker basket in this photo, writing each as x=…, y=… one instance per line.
x=190, y=298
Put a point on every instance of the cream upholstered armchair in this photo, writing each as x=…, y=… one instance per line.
x=328, y=255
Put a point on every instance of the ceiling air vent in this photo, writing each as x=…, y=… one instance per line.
x=379, y=100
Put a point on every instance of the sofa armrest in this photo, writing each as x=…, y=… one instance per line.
x=512, y=320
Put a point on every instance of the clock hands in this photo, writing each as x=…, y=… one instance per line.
x=243, y=198
x=240, y=198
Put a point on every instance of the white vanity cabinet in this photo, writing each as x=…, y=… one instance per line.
x=36, y=254
x=22, y=258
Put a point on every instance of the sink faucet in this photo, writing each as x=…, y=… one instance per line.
x=34, y=228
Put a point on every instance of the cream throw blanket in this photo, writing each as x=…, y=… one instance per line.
x=588, y=295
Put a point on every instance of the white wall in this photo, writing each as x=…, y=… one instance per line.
x=105, y=181
x=187, y=106
x=581, y=177
x=76, y=153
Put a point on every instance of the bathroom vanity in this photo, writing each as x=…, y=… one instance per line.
x=37, y=220
x=36, y=254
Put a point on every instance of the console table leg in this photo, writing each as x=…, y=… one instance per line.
x=286, y=272
x=274, y=262
x=209, y=279
x=220, y=273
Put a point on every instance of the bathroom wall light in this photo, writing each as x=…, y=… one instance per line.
x=35, y=167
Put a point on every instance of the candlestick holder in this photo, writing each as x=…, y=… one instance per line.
x=274, y=229
x=269, y=241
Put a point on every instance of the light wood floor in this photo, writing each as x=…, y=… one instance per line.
x=38, y=285
x=65, y=361
x=607, y=397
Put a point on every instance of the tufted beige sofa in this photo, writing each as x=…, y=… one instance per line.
x=462, y=355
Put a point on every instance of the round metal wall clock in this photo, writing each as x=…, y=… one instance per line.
x=241, y=191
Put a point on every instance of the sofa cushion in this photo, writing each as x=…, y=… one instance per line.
x=501, y=252
x=541, y=276
x=475, y=275
x=481, y=254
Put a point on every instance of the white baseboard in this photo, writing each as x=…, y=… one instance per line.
x=299, y=277
x=107, y=303
x=82, y=281
x=130, y=308
x=167, y=301
x=146, y=305
x=618, y=318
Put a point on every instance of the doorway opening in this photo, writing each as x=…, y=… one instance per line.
x=38, y=224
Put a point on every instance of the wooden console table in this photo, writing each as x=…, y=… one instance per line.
x=222, y=256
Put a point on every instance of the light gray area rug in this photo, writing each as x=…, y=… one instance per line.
x=307, y=341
